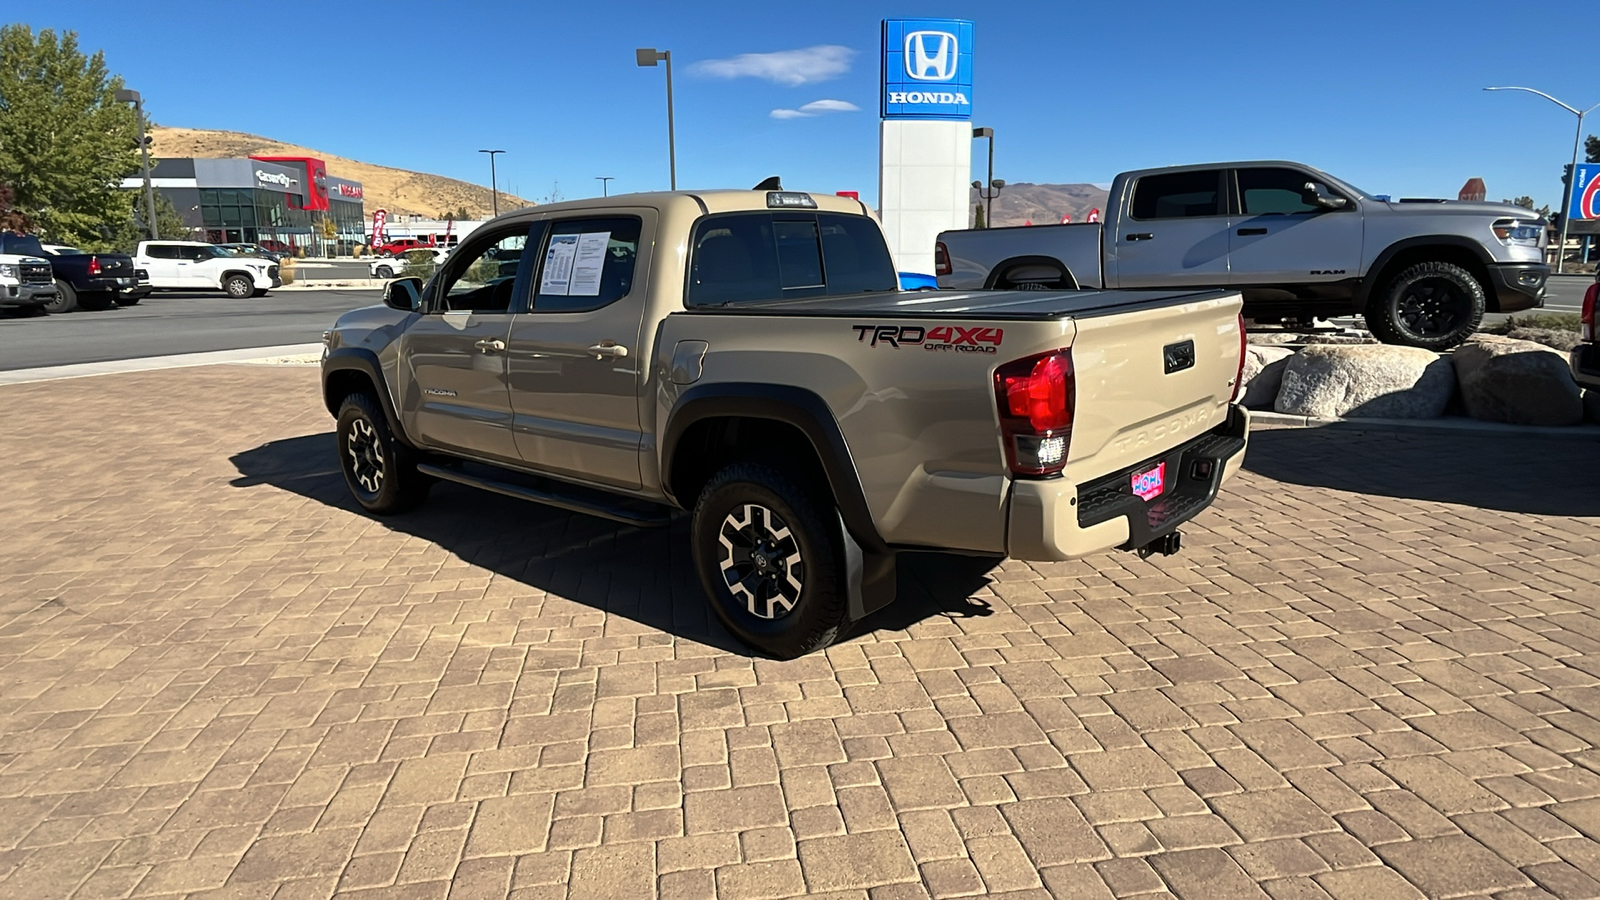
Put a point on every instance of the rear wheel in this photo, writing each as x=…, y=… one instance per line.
x=239, y=287
x=380, y=471
x=66, y=299
x=384, y=272
x=769, y=560
x=1433, y=305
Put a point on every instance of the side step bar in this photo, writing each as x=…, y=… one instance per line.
x=616, y=513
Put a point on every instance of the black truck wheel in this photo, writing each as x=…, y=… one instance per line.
x=769, y=560
x=238, y=287
x=66, y=299
x=1433, y=305
x=380, y=471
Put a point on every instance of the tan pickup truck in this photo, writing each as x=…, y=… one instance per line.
x=748, y=356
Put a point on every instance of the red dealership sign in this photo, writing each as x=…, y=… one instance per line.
x=378, y=218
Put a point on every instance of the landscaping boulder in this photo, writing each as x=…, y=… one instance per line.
x=1506, y=380
x=1263, y=373
x=1366, y=380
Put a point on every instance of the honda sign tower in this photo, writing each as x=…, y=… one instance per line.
x=925, y=142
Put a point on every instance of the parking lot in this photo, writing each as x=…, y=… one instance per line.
x=1372, y=673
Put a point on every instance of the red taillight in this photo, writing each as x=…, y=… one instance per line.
x=94, y=265
x=1588, y=310
x=941, y=259
x=1238, y=375
x=1036, y=396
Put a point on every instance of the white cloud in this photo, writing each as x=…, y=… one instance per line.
x=815, y=107
x=787, y=67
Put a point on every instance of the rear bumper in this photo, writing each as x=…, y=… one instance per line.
x=134, y=289
x=1518, y=286
x=21, y=296
x=1056, y=520
x=1585, y=361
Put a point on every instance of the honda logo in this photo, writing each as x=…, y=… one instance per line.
x=931, y=55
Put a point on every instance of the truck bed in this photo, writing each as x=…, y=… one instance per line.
x=1008, y=305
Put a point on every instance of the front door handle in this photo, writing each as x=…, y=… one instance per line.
x=490, y=346
x=1141, y=236
x=608, y=348
x=1246, y=232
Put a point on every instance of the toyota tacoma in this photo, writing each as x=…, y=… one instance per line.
x=748, y=356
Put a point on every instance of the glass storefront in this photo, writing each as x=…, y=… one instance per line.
x=235, y=215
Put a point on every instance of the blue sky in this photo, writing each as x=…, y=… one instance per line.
x=1384, y=94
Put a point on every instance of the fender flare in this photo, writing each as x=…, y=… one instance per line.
x=1035, y=260
x=1369, y=283
x=869, y=562
x=359, y=359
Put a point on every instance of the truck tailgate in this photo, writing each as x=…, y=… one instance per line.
x=1149, y=379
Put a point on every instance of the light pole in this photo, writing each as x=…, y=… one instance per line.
x=605, y=184
x=126, y=96
x=647, y=57
x=988, y=206
x=1572, y=174
x=987, y=195
x=494, y=186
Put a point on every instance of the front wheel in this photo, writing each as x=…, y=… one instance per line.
x=380, y=471
x=769, y=560
x=384, y=272
x=66, y=299
x=1433, y=305
x=239, y=287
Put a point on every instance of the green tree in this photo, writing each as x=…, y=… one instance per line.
x=1591, y=149
x=128, y=228
x=11, y=218
x=1524, y=201
x=65, y=141
x=979, y=220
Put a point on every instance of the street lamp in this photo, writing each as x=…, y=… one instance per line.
x=988, y=207
x=494, y=186
x=605, y=184
x=1572, y=174
x=126, y=96
x=647, y=57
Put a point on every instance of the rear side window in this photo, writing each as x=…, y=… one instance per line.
x=23, y=245
x=588, y=263
x=774, y=256
x=1180, y=195
x=161, y=251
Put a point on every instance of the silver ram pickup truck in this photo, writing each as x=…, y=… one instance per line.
x=1297, y=243
x=748, y=356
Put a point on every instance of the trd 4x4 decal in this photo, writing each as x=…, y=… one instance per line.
x=943, y=337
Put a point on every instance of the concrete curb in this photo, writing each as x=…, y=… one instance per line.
x=151, y=363
x=1448, y=424
x=346, y=284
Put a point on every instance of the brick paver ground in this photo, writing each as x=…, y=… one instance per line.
x=1372, y=674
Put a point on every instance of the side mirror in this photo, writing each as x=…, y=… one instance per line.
x=1314, y=194
x=404, y=294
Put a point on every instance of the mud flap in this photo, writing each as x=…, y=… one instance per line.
x=870, y=577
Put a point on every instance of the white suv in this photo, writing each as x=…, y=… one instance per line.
x=193, y=265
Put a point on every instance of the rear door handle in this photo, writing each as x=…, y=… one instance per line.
x=1245, y=232
x=608, y=348
x=490, y=346
x=1142, y=236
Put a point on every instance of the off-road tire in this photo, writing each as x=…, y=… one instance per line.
x=238, y=287
x=380, y=471
x=770, y=502
x=1433, y=305
x=384, y=272
x=66, y=299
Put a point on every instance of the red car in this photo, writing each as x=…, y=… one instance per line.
x=401, y=245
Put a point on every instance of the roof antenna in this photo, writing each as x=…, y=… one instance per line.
x=771, y=184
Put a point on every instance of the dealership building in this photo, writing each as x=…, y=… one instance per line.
x=279, y=201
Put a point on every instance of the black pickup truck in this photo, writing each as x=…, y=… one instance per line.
x=83, y=279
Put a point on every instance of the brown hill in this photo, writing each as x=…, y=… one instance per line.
x=397, y=190
x=1044, y=204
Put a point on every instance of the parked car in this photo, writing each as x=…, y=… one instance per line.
x=1296, y=242
x=278, y=247
x=748, y=356
x=399, y=246
x=916, y=281
x=192, y=265
x=389, y=267
x=255, y=250
x=1585, y=357
x=27, y=284
x=89, y=280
